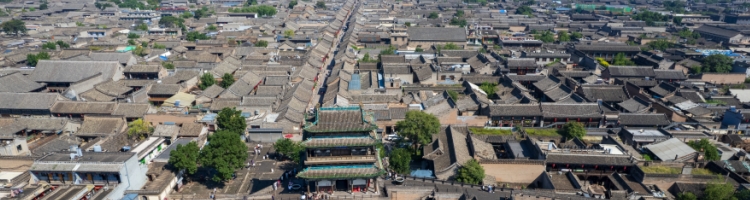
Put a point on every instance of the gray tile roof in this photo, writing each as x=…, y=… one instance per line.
x=28, y=101
x=588, y=159
x=62, y=71
x=17, y=82
x=571, y=110
x=669, y=149
x=79, y=107
x=631, y=71
x=164, y=89
x=437, y=34
x=627, y=119
x=515, y=110
x=605, y=93
x=131, y=110
x=635, y=105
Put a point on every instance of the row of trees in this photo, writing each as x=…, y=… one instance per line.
x=261, y=10
x=207, y=80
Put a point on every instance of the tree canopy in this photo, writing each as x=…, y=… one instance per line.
x=14, y=27
x=710, y=152
x=488, y=88
x=719, y=190
x=574, y=130
x=224, y=153
x=288, y=33
x=139, y=129
x=261, y=10
x=62, y=44
x=232, y=120
x=717, y=63
x=456, y=21
x=261, y=43
x=171, y=21
x=433, y=15
x=195, y=35
x=320, y=4
x=525, y=10
x=418, y=126
x=576, y=35
x=399, y=160
x=33, y=59
x=290, y=149
x=292, y=4
x=49, y=45
x=471, y=172
x=207, y=80
x=686, y=196
x=226, y=80
x=621, y=59
x=563, y=36
x=185, y=157
x=650, y=17
x=546, y=37
x=660, y=44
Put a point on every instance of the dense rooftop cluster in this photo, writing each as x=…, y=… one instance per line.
x=610, y=99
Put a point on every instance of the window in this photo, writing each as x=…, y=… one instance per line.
x=19, y=147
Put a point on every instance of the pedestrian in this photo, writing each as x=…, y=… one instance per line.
x=290, y=185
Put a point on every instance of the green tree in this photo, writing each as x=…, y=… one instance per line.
x=79, y=24
x=451, y=46
x=212, y=28
x=717, y=63
x=131, y=42
x=252, y=2
x=231, y=119
x=142, y=27
x=133, y=36
x=650, y=17
x=49, y=45
x=226, y=80
x=167, y=65
x=186, y=15
x=471, y=172
x=14, y=26
x=418, y=49
x=621, y=59
x=710, y=152
x=459, y=13
x=43, y=6
x=139, y=51
x=660, y=44
x=288, y=34
x=742, y=195
x=195, y=35
x=33, y=59
x=224, y=153
x=574, y=130
x=320, y=4
x=292, y=4
x=261, y=43
x=407, y=24
x=291, y=149
x=102, y=6
x=158, y=46
x=185, y=157
x=563, y=36
x=525, y=10
x=453, y=95
x=677, y=20
x=458, y=22
x=433, y=15
x=261, y=10
x=139, y=129
x=686, y=196
x=201, y=13
x=62, y=44
x=418, y=126
x=207, y=80
x=488, y=88
x=719, y=190
x=674, y=6
x=576, y=35
x=546, y=37
x=399, y=160
x=171, y=21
